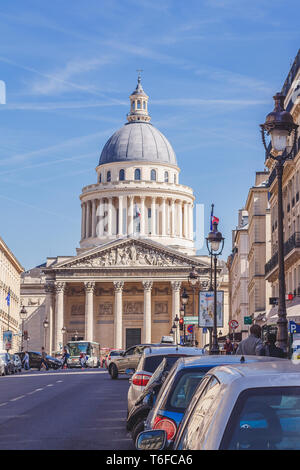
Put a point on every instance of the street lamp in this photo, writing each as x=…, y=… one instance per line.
x=176, y=324
x=279, y=125
x=184, y=301
x=63, y=331
x=76, y=335
x=193, y=279
x=23, y=315
x=45, y=325
x=215, y=245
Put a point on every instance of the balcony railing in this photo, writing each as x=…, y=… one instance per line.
x=289, y=245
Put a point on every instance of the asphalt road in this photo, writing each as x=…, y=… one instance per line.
x=64, y=409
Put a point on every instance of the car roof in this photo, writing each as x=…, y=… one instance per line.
x=263, y=369
x=219, y=360
x=157, y=350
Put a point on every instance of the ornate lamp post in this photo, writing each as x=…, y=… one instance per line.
x=193, y=279
x=184, y=301
x=63, y=332
x=176, y=324
x=23, y=315
x=45, y=325
x=279, y=125
x=215, y=245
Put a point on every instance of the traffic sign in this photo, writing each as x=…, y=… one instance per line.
x=190, y=329
x=233, y=324
x=247, y=321
x=191, y=320
x=294, y=327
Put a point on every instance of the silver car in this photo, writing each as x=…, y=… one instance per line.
x=2, y=367
x=248, y=407
x=149, y=361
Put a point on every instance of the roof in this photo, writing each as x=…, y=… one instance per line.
x=156, y=350
x=138, y=141
x=262, y=369
x=219, y=360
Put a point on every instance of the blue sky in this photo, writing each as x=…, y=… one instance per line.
x=210, y=67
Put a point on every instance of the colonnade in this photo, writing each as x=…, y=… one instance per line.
x=147, y=215
x=55, y=293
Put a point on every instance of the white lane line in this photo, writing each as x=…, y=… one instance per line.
x=18, y=398
x=34, y=391
x=59, y=381
x=3, y=404
x=49, y=385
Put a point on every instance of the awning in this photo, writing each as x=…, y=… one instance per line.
x=292, y=311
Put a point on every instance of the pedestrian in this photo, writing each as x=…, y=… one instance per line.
x=26, y=361
x=235, y=346
x=228, y=347
x=65, y=358
x=44, y=359
x=270, y=348
x=82, y=359
x=253, y=344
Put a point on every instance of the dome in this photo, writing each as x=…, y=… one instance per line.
x=138, y=141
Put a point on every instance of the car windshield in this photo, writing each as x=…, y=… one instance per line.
x=185, y=386
x=3, y=356
x=265, y=419
x=152, y=362
x=75, y=349
x=115, y=353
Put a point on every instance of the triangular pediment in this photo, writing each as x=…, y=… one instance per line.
x=130, y=252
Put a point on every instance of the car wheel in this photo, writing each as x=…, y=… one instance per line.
x=113, y=370
x=139, y=427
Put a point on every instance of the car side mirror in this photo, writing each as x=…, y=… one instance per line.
x=129, y=371
x=156, y=439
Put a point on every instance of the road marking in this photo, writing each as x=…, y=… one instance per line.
x=69, y=372
x=59, y=381
x=18, y=398
x=50, y=385
x=3, y=404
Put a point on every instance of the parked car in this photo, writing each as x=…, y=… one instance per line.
x=9, y=366
x=251, y=407
x=114, y=353
x=17, y=363
x=178, y=390
x=35, y=360
x=139, y=410
x=2, y=366
x=128, y=359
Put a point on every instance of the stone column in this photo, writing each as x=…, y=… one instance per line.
x=173, y=232
x=130, y=216
x=147, y=311
x=176, y=305
x=163, y=218
x=142, y=222
x=153, y=217
x=191, y=227
x=180, y=218
x=100, y=214
x=89, y=311
x=59, y=314
x=185, y=220
x=49, y=289
x=120, y=221
x=83, y=212
x=87, y=220
x=118, y=314
x=109, y=217
x=93, y=218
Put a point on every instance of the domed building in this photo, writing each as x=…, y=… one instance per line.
x=136, y=250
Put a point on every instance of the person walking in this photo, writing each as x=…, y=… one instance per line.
x=82, y=360
x=235, y=346
x=270, y=348
x=253, y=344
x=44, y=359
x=65, y=358
x=228, y=347
x=26, y=361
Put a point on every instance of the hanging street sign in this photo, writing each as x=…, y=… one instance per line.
x=247, y=321
x=190, y=320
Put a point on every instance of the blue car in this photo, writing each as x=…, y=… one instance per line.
x=178, y=389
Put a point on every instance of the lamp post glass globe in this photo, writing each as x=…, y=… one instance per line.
x=193, y=277
x=23, y=313
x=45, y=323
x=63, y=330
x=184, y=297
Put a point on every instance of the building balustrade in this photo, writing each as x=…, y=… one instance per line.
x=289, y=245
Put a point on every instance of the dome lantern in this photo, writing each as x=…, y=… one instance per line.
x=138, y=104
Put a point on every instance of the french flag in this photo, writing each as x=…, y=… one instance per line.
x=137, y=211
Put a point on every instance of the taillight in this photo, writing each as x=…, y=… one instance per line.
x=166, y=424
x=141, y=379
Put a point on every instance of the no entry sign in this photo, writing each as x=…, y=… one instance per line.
x=233, y=324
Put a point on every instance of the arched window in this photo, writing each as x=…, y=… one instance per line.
x=108, y=176
x=137, y=174
x=122, y=175
x=138, y=104
x=100, y=178
x=153, y=175
x=144, y=104
x=175, y=179
x=166, y=177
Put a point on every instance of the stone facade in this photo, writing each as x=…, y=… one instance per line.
x=10, y=271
